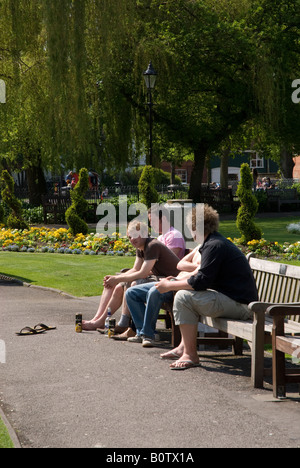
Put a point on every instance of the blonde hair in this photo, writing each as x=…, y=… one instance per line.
x=137, y=229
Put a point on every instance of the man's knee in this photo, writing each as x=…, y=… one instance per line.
x=119, y=289
x=180, y=298
x=153, y=293
x=183, y=310
x=133, y=293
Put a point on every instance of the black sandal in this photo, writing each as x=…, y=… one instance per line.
x=28, y=331
x=42, y=326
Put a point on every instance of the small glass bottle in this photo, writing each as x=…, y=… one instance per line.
x=107, y=320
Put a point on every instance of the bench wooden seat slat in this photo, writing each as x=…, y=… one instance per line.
x=282, y=197
x=58, y=205
x=244, y=327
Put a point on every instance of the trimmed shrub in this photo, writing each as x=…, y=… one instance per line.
x=76, y=212
x=15, y=219
x=248, y=209
x=148, y=193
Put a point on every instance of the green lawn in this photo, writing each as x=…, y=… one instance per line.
x=5, y=441
x=79, y=275
x=82, y=275
x=274, y=229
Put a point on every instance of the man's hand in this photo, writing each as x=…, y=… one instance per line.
x=165, y=284
x=173, y=284
x=111, y=281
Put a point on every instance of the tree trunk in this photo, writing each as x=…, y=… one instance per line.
x=197, y=174
x=36, y=183
x=224, y=168
x=287, y=163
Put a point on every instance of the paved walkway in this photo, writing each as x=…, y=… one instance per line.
x=68, y=390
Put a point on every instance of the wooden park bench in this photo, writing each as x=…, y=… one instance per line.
x=281, y=345
x=280, y=197
x=220, y=199
x=57, y=205
x=277, y=284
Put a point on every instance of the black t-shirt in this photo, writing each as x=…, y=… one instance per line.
x=224, y=268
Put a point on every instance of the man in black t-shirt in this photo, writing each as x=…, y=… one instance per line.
x=223, y=287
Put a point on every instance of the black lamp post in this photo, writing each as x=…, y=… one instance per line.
x=2, y=92
x=150, y=80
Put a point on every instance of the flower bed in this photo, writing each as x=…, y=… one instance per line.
x=264, y=249
x=61, y=241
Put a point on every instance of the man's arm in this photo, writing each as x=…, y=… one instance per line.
x=188, y=262
x=132, y=275
x=171, y=284
x=199, y=280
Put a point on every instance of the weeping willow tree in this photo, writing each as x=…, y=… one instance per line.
x=21, y=65
x=89, y=114
x=274, y=27
x=48, y=121
x=74, y=77
x=112, y=51
x=65, y=27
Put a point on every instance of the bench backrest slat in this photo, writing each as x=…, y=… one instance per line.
x=276, y=282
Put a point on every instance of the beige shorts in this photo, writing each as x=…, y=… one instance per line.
x=190, y=305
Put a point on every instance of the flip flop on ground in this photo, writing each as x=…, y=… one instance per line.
x=28, y=331
x=183, y=365
x=42, y=326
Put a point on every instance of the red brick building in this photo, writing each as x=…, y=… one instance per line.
x=184, y=171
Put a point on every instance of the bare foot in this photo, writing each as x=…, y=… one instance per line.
x=172, y=355
x=185, y=362
x=91, y=326
x=175, y=353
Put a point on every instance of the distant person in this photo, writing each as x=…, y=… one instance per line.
x=105, y=193
x=255, y=179
x=266, y=183
x=70, y=176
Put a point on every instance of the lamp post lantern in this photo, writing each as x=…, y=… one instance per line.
x=150, y=80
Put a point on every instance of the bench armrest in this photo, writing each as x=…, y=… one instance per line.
x=284, y=309
x=259, y=307
x=263, y=307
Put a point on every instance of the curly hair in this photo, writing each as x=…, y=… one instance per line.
x=208, y=216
